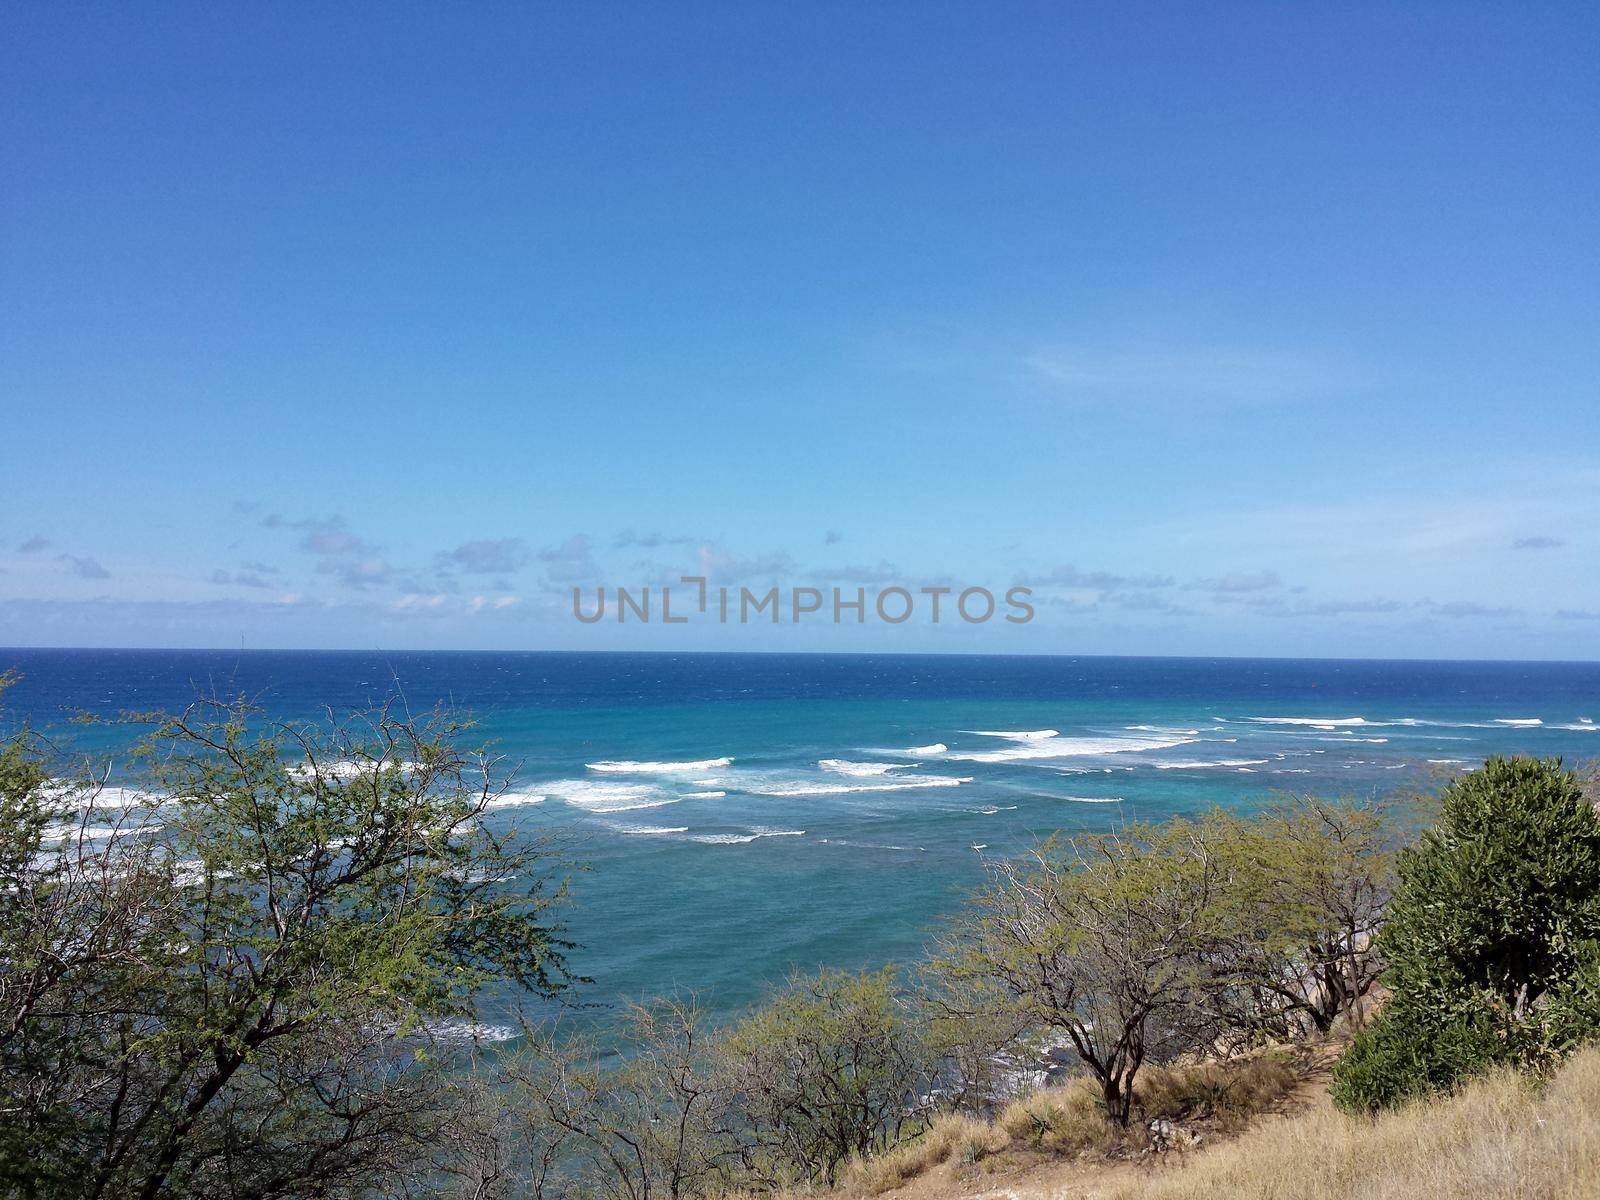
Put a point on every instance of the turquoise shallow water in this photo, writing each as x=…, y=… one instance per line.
x=742, y=815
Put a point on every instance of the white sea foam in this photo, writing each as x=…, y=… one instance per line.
x=1072, y=747
x=915, y=751
x=1094, y=799
x=1203, y=764
x=989, y=810
x=803, y=788
x=1166, y=729
x=704, y=795
x=644, y=830
x=105, y=798
x=1520, y=722
x=739, y=839
x=609, y=797
x=1314, y=722
x=1580, y=726
x=515, y=800
x=629, y=767
x=843, y=766
x=1017, y=735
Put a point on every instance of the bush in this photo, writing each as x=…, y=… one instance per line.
x=1489, y=937
x=1405, y=1054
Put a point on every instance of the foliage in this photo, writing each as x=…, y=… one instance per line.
x=1107, y=937
x=1490, y=936
x=833, y=1066
x=234, y=981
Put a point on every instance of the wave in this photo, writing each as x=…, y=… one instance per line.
x=629, y=767
x=1581, y=725
x=456, y=1029
x=644, y=830
x=915, y=751
x=989, y=810
x=609, y=797
x=842, y=789
x=1023, y=735
x=843, y=766
x=1165, y=729
x=739, y=839
x=704, y=795
x=1094, y=799
x=1314, y=722
x=515, y=800
x=1519, y=722
x=1202, y=764
x=1072, y=747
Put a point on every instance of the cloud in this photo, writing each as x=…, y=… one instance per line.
x=489, y=556
x=651, y=541
x=1069, y=576
x=34, y=545
x=327, y=537
x=1219, y=376
x=832, y=538
x=357, y=572
x=84, y=568
x=239, y=578
x=1577, y=614
x=1537, y=543
x=1276, y=606
x=1258, y=581
x=1462, y=609
x=572, y=561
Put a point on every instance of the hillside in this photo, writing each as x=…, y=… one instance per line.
x=1499, y=1138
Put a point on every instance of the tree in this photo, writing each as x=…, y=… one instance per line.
x=832, y=1067
x=1308, y=881
x=235, y=981
x=560, y=1117
x=1111, y=938
x=1490, y=936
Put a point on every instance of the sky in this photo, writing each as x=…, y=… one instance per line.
x=1239, y=329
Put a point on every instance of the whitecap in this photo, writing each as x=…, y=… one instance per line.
x=1094, y=799
x=1165, y=729
x=704, y=795
x=1072, y=747
x=515, y=800
x=1519, y=722
x=630, y=767
x=843, y=766
x=1204, y=764
x=644, y=830
x=608, y=797
x=803, y=788
x=1016, y=735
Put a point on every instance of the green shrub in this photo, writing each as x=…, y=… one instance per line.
x=1404, y=1054
x=1489, y=937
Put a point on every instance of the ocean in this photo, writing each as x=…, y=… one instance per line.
x=739, y=816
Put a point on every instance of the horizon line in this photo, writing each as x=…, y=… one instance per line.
x=1576, y=662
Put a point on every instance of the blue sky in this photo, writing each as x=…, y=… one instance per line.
x=1235, y=329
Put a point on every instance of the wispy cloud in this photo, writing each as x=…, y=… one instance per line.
x=489, y=556
x=34, y=545
x=1214, y=376
x=1538, y=542
x=83, y=567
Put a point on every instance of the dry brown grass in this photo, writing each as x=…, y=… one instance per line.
x=1500, y=1139
x=1068, y=1121
x=950, y=1137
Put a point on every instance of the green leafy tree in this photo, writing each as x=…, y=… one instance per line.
x=239, y=980
x=1490, y=936
x=1112, y=939
x=834, y=1066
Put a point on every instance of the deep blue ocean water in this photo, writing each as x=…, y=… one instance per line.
x=742, y=815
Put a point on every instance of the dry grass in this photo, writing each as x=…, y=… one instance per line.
x=1500, y=1139
x=1068, y=1121
x=949, y=1137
